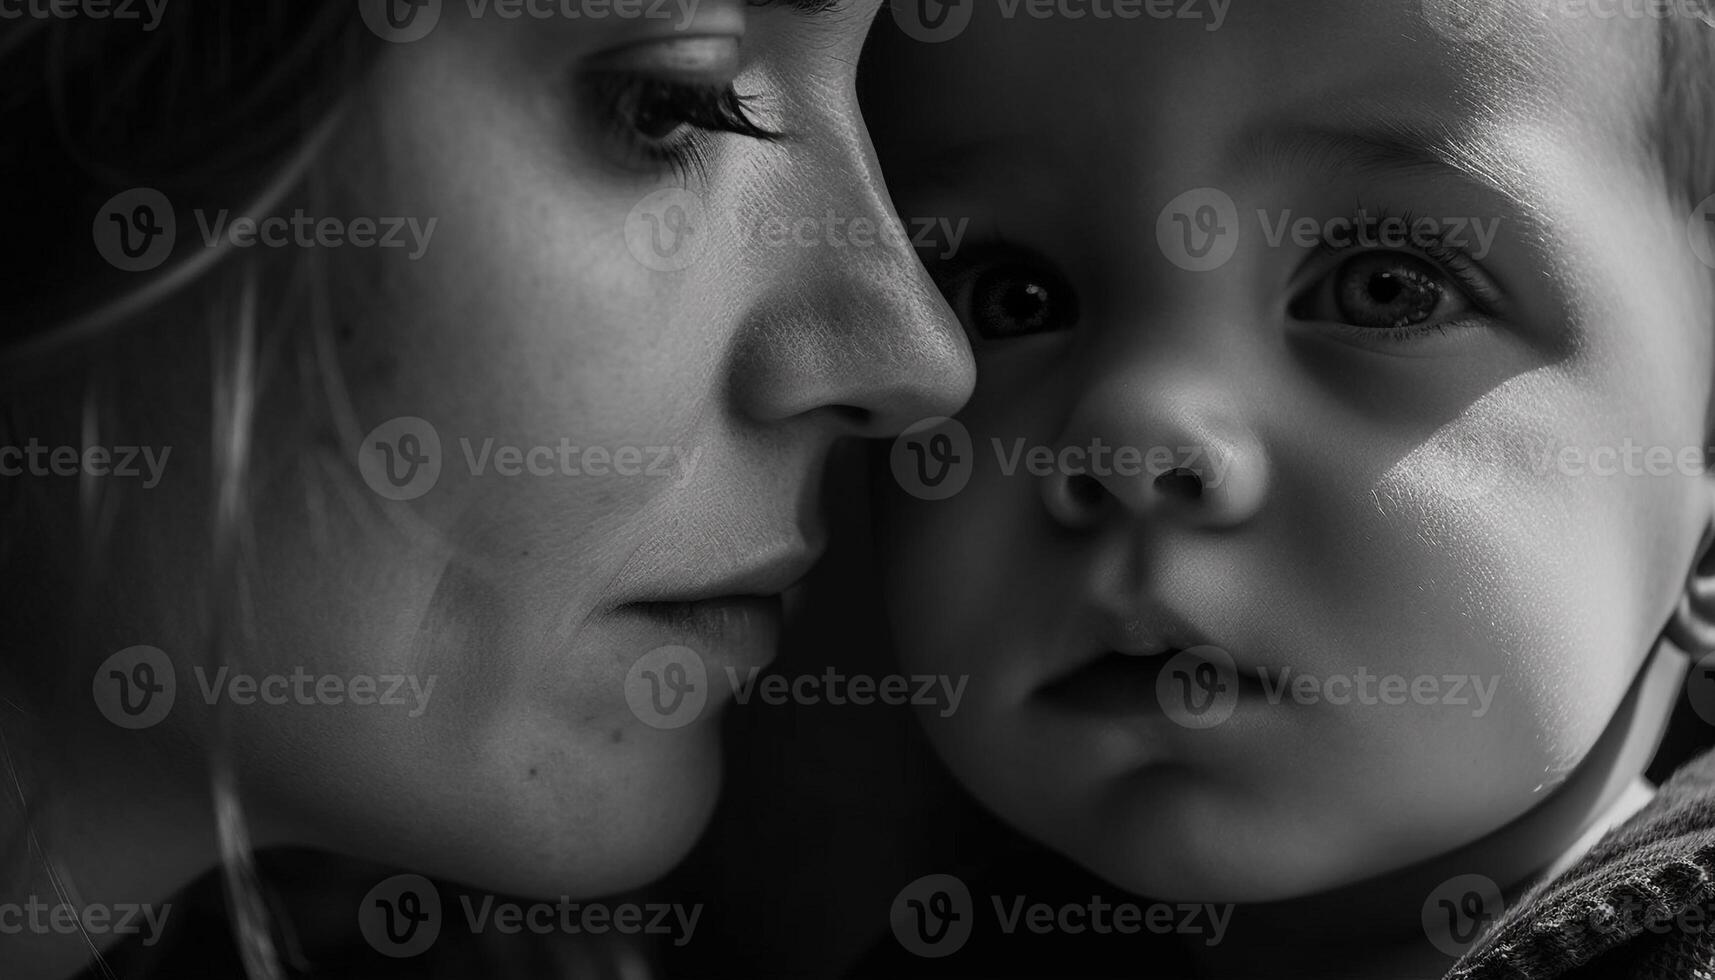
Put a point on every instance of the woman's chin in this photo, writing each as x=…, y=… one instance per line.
x=627, y=826
x=616, y=820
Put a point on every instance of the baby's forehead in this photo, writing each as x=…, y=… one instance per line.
x=1157, y=79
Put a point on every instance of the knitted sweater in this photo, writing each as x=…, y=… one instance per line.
x=1639, y=906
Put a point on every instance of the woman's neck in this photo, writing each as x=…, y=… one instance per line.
x=1387, y=937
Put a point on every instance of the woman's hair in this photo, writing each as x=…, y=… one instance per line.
x=222, y=105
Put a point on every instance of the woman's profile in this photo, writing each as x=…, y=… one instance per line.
x=408, y=426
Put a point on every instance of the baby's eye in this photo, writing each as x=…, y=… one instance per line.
x=1398, y=294
x=1387, y=291
x=1008, y=298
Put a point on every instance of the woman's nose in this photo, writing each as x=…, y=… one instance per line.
x=855, y=328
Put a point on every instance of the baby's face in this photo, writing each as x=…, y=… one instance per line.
x=1437, y=481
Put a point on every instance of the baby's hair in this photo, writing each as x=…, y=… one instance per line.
x=1683, y=130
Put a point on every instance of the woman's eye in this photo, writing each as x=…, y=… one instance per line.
x=1383, y=290
x=658, y=110
x=661, y=102
x=652, y=112
x=1000, y=302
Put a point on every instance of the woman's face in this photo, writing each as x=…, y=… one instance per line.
x=1420, y=505
x=633, y=390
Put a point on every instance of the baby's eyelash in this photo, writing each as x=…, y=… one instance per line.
x=1456, y=261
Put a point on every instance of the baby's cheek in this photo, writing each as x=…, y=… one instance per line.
x=1557, y=566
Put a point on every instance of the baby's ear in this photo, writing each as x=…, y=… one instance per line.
x=1692, y=627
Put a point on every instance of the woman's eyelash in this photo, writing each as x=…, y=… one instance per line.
x=690, y=111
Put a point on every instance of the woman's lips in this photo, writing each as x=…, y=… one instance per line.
x=727, y=614
x=748, y=623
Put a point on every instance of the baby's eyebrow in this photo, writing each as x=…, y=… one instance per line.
x=1461, y=153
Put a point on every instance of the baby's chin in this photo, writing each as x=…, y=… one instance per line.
x=1175, y=834
x=1159, y=857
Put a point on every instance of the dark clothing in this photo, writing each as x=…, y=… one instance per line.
x=1639, y=906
